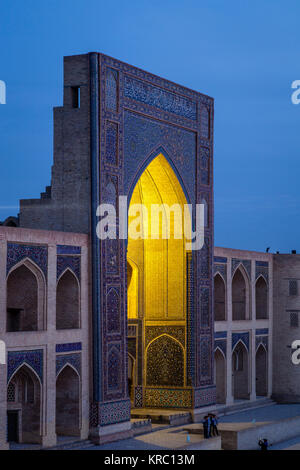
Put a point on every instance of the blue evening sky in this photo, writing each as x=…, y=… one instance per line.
x=245, y=54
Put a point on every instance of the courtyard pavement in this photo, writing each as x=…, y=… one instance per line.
x=174, y=437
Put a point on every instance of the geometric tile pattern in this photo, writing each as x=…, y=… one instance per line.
x=246, y=263
x=221, y=344
x=17, y=252
x=67, y=347
x=240, y=336
x=72, y=359
x=68, y=250
x=33, y=358
x=168, y=397
x=71, y=262
x=151, y=116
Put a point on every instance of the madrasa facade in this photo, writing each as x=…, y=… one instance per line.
x=95, y=331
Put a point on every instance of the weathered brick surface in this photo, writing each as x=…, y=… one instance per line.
x=286, y=375
x=68, y=207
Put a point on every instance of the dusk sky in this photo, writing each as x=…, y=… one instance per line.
x=243, y=54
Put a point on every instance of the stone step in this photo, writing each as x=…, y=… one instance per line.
x=141, y=426
x=175, y=418
x=72, y=445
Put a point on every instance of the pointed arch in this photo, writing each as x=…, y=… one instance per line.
x=220, y=375
x=67, y=301
x=219, y=297
x=28, y=367
x=261, y=298
x=165, y=362
x=261, y=367
x=67, y=364
x=240, y=371
x=26, y=297
x=159, y=151
x=27, y=393
x=68, y=401
x=240, y=294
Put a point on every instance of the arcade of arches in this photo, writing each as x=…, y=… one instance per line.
x=241, y=313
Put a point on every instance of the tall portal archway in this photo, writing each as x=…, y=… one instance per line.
x=157, y=261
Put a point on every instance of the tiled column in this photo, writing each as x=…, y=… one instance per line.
x=3, y=371
x=49, y=385
x=252, y=375
x=229, y=394
x=85, y=371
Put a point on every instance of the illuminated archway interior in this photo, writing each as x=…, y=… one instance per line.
x=157, y=278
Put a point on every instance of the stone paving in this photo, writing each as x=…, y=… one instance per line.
x=170, y=438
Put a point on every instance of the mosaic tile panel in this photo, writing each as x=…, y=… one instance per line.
x=221, y=344
x=246, y=263
x=115, y=412
x=168, y=398
x=205, y=396
x=240, y=336
x=33, y=358
x=103, y=414
x=143, y=135
x=114, y=363
x=220, y=259
x=72, y=359
x=204, y=306
x=71, y=262
x=222, y=269
x=17, y=252
x=111, y=89
x=113, y=310
x=262, y=269
x=152, y=332
x=261, y=340
x=67, y=347
x=205, y=122
x=138, y=397
x=205, y=166
x=111, y=139
x=165, y=362
x=154, y=96
x=68, y=250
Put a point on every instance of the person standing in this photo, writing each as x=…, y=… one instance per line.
x=214, y=425
x=263, y=444
x=205, y=427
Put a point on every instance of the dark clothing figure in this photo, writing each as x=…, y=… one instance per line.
x=263, y=444
x=214, y=425
x=206, y=427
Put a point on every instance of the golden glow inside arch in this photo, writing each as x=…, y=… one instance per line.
x=157, y=267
